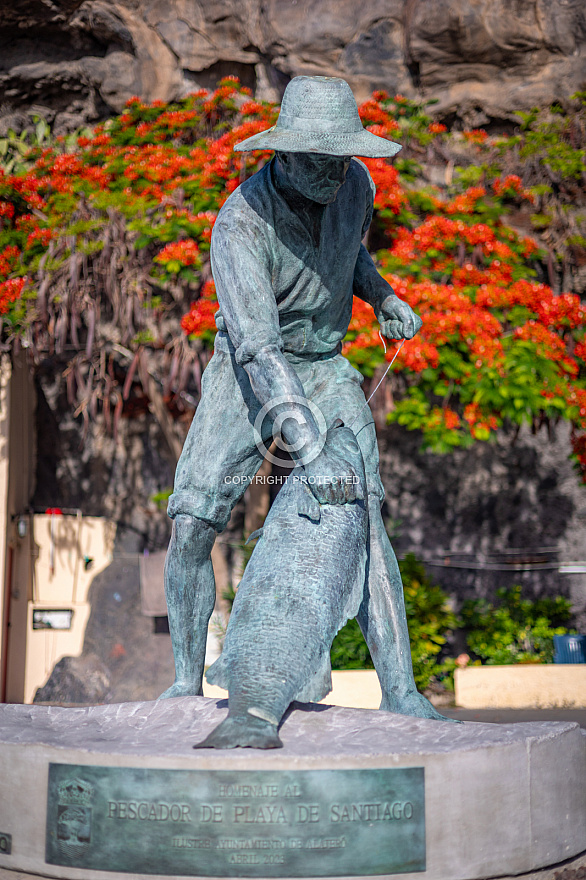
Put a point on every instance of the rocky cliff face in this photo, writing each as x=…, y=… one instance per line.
x=495, y=515
x=76, y=61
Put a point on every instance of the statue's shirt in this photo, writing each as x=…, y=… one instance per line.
x=279, y=285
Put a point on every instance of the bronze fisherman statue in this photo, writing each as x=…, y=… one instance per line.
x=287, y=258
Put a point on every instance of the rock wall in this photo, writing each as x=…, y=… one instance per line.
x=496, y=514
x=76, y=61
x=493, y=515
x=98, y=475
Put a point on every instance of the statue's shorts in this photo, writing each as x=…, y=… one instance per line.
x=221, y=456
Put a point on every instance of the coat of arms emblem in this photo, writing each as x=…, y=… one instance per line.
x=74, y=818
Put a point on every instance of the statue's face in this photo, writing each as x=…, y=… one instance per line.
x=316, y=176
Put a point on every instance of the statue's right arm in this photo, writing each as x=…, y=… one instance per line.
x=241, y=269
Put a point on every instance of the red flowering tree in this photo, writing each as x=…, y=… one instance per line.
x=104, y=257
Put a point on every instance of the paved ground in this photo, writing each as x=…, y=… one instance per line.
x=510, y=716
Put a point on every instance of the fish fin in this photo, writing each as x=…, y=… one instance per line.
x=308, y=506
x=319, y=685
x=244, y=732
x=218, y=674
x=254, y=535
x=264, y=715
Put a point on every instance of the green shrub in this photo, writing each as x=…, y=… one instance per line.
x=515, y=630
x=349, y=650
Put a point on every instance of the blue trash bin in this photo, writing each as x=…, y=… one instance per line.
x=569, y=649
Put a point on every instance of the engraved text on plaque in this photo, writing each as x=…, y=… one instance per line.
x=240, y=823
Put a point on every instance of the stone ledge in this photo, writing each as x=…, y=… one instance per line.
x=531, y=686
x=567, y=870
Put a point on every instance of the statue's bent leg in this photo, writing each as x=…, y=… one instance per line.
x=190, y=591
x=383, y=622
x=219, y=458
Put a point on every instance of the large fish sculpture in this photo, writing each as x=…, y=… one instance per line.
x=304, y=580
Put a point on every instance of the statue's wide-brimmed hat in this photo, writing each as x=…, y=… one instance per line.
x=319, y=115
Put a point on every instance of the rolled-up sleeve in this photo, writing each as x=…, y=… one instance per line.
x=241, y=268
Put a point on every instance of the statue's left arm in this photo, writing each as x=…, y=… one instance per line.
x=396, y=318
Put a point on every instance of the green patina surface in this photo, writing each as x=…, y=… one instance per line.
x=279, y=823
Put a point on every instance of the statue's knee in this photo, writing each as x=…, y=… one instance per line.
x=192, y=536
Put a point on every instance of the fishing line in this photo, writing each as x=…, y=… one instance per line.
x=382, y=339
x=382, y=379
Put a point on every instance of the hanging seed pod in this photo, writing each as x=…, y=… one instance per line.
x=117, y=414
x=172, y=375
x=91, y=329
x=130, y=376
x=143, y=371
x=106, y=405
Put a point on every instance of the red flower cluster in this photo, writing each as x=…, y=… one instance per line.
x=467, y=202
x=476, y=136
x=10, y=291
x=389, y=193
x=6, y=210
x=185, y=252
x=480, y=424
x=8, y=260
x=168, y=170
x=371, y=113
x=200, y=319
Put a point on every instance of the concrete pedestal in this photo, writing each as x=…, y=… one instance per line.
x=497, y=800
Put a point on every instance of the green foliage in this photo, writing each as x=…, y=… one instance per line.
x=127, y=211
x=429, y=617
x=528, y=119
x=516, y=630
x=18, y=151
x=409, y=169
x=548, y=137
x=540, y=221
x=228, y=595
x=349, y=650
x=161, y=499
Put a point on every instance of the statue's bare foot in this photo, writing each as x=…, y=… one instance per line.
x=244, y=732
x=415, y=704
x=182, y=689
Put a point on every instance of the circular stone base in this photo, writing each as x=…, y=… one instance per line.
x=118, y=791
x=571, y=869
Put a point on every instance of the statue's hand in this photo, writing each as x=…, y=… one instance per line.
x=334, y=479
x=397, y=319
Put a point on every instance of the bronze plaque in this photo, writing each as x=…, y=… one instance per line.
x=237, y=823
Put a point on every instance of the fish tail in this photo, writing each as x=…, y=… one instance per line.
x=244, y=731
